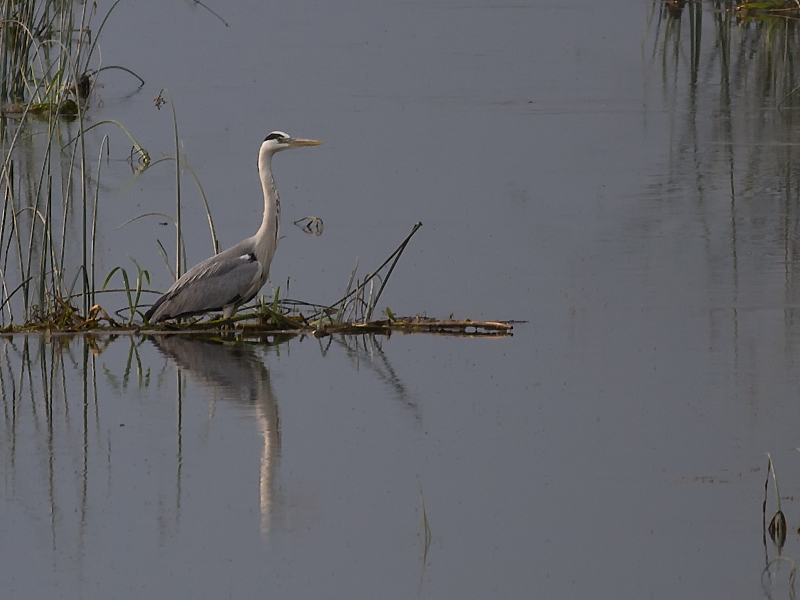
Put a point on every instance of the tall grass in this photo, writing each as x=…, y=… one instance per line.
x=50, y=204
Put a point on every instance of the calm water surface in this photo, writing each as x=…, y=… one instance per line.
x=621, y=180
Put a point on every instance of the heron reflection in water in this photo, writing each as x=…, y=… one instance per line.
x=234, y=372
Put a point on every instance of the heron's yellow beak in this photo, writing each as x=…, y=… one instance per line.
x=297, y=142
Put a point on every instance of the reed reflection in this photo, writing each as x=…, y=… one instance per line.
x=48, y=431
x=728, y=90
x=232, y=371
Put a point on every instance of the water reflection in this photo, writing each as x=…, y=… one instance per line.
x=730, y=190
x=232, y=371
x=94, y=426
x=366, y=351
x=49, y=428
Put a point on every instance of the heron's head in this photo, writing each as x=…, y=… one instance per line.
x=278, y=140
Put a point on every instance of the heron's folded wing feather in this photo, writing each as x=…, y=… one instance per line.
x=215, y=266
x=211, y=285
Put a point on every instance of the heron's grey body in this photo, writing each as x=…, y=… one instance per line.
x=233, y=277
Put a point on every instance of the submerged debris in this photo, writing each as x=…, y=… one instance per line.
x=466, y=328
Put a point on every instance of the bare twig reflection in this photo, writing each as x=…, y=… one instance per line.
x=366, y=351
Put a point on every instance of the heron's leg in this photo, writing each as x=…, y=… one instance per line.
x=227, y=314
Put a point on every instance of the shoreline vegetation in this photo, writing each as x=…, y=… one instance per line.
x=48, y=224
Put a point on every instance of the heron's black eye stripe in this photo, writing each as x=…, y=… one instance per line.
x=274, y=136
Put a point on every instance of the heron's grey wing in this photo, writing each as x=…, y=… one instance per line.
x=211, y=285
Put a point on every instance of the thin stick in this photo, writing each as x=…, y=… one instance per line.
x=94, y=215
x=375, y=273
x=122, y=69
x=224, y=22
x=8, y=297
x=179, y=237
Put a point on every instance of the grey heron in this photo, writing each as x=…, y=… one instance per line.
x=233, y=277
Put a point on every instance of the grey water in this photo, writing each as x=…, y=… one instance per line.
x=619, y=178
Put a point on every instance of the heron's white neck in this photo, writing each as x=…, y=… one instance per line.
x=270, y=223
